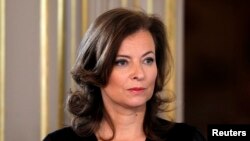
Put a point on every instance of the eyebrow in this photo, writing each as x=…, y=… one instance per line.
x=145, y=54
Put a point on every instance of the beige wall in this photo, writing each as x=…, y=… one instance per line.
x=23, y=68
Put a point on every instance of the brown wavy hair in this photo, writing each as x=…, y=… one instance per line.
x=94, y=63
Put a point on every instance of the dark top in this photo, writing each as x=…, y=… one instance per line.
x=177, y=132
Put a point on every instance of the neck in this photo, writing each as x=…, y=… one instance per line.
x=127, y=123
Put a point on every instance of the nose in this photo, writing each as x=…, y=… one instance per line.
x=138, y=72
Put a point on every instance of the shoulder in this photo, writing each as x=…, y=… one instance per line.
x=65, y=134
x=180, y=131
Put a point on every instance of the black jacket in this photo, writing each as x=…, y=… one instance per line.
x=178, y=132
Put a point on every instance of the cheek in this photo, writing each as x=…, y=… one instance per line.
x=114, y=86
x=153, y=74
x=115, y=80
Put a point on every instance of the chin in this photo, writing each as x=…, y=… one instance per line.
x=137, y=104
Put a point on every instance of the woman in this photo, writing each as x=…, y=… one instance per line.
x=121, y=70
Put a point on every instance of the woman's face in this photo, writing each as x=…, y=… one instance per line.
x=132, y=80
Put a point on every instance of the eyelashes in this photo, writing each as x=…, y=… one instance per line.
x=121, y=62
x=125, y=62
x=149, y=60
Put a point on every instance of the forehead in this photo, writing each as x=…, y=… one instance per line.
x=138, y=41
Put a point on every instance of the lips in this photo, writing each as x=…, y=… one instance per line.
x=136, y=89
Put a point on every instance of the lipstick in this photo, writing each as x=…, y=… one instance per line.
x=136, y=89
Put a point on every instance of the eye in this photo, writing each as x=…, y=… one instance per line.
x=121, y=62
x=149, y=60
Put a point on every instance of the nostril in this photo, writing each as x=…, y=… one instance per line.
x=138, y=75
x=137, y=72
x=135, y=77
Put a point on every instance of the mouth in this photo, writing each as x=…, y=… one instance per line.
x=136, y=89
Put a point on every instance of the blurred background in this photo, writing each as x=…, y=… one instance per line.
x=217, y=62
x=38, y=41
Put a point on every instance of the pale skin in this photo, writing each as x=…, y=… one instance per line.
x=130, y=86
